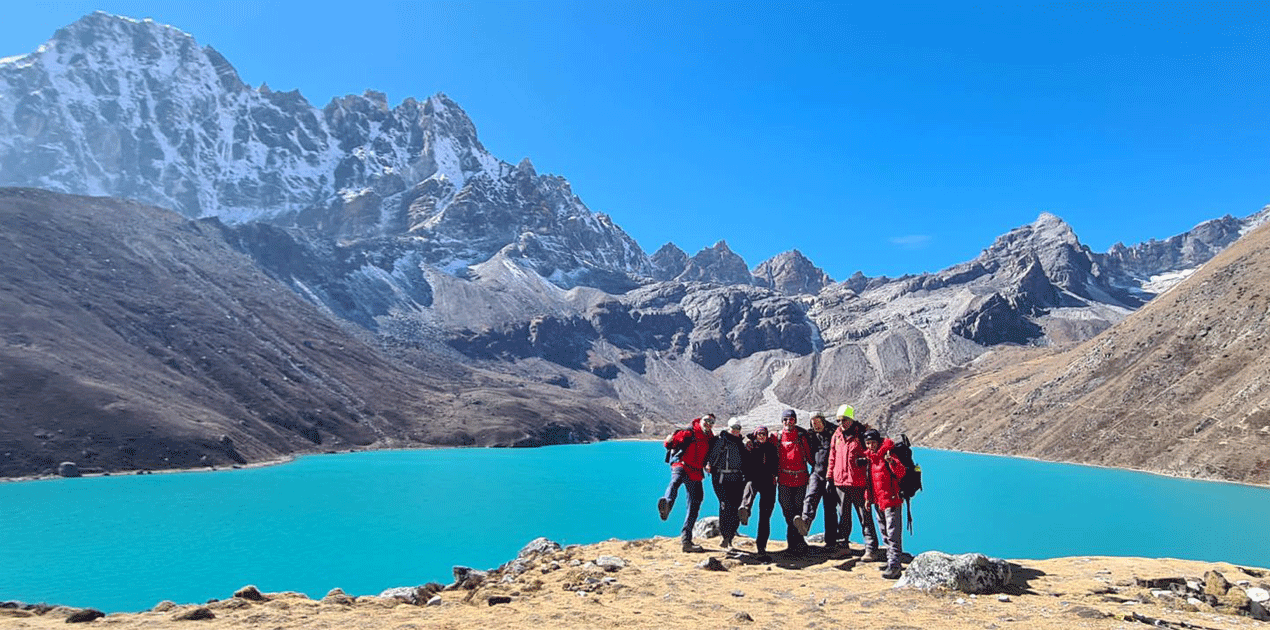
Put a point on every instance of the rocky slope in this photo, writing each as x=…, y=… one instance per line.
x=136, y=339
x=650, y=583
x=1177, y=387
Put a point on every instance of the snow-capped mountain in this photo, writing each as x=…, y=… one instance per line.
x=135, y=109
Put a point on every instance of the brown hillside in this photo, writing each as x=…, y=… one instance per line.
x=132, y=338
x=1180, y=387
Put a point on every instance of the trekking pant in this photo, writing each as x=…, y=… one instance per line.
x=679, y=476
x=853, y=497
x=766, y=493
x=890, y=521
x=729, y=493
x=791, y=498
x=818, y=489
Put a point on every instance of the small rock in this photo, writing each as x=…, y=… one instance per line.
x=408, y=594
x=742, y=616
x=68, y=469
x=537, y=546
x=85, y=615
x=960, y=600
x=610, y=563
x=711, y=564
x=1258, y=594
x=1003, y=598
x=738, y=594
x=195, y=614
x=494, y=600
x=435, y=601
x=250, y=592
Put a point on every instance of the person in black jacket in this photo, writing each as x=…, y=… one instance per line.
x=760, y=467
x=725, y=462
x=820, y=486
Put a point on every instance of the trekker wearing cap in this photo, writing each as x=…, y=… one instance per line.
x=761, y=466
x=791, y=477
x=820, y=485
x=885, y=473
x=725, y=462
x=849, y=469
x=689, y=448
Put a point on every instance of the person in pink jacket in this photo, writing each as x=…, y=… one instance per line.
x=883, y=492
x=848, y=467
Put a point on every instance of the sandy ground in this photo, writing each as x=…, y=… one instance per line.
x=661, y=585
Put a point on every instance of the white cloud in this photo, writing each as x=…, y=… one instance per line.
x=911, y=241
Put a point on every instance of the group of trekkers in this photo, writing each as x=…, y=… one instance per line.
x=846, y=465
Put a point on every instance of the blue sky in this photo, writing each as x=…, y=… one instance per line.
x=890, y=140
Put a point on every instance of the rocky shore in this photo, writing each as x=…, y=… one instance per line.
x=651, y=583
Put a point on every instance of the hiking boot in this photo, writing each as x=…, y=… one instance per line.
x=689, y=547
x=801, y=525
x=873, y=555
x=892, y=572
x=744, y=515
x=763, y=557
x=906, y=557
x=727, y=543
x=663, y=508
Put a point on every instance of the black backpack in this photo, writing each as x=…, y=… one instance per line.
x=911, y=482
x=679, y=443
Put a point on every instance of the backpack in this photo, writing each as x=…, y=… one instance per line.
x=679, y=442
x=911, y=482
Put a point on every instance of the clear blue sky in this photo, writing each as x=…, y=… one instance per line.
x=890, y=140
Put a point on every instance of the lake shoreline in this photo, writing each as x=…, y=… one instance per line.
x=292, y=457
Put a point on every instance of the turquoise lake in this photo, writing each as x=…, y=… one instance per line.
x=369, y=521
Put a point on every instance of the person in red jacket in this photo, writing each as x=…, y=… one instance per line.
x=793, y=456
x=849, y=469
x=885, y=473
x=689, y=448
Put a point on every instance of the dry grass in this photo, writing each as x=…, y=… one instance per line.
x=661, y=586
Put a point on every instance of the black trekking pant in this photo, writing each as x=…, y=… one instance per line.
x=766, y=493
x=791, y=499
x=730, y=495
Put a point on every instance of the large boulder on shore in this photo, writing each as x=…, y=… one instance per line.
x=966, y=573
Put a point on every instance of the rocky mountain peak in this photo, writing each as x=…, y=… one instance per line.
x=668, y=262
x=791, y=273
x=718, y=264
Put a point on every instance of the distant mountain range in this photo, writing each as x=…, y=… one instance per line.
x=454, y=268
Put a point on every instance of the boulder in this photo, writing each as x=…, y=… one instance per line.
x=415, y=595
x=467, y=577
x=966, y=573
x=68, y=469
x=195, y=614
x=707, y=527
x=610, y=563
x=250, y=592
x=85, y=615
x=537, y=546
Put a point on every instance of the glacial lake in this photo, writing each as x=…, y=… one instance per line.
x=365, y=522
